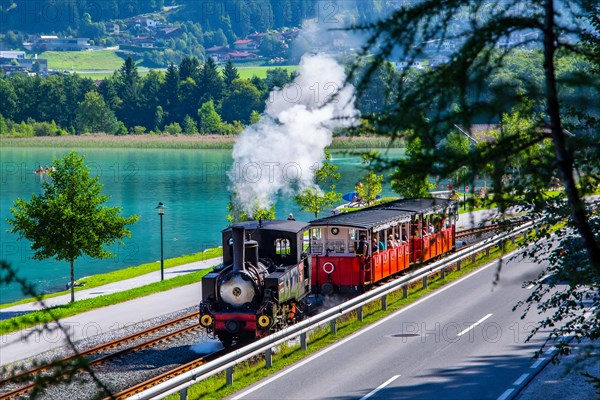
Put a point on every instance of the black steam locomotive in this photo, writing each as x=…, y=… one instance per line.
x=262, y=283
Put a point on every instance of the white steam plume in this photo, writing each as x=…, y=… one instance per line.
x=279, y=153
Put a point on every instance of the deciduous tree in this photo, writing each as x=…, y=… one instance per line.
x=69, y=219
x=315, y=199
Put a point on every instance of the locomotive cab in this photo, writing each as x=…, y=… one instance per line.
x=262, y=283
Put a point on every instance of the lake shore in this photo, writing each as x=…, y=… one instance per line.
x=169, y=142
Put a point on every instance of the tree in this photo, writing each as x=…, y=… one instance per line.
x=313, y=199
x=408, y=184
x=210, y=120
x=238, y=215
x=371, y=188
x=170, y=90
x=93, y=115
x=189, y=125
x=128, y=89
x=460, y=92
x=211, y=83
x=69, y=219
x=230, y=74
x=239, y=104
x=189, y=68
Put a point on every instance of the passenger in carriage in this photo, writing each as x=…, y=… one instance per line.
x=362, y=246
x=391, y=243
x=377, y=245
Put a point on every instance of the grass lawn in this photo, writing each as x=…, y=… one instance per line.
x=261, y=72
x=83, y=60
x=32, y=319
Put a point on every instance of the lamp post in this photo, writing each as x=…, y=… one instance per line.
x=161, y=211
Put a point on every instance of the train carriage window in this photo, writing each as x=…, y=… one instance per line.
x=282, y=246
x=305, y=241
x=316, y=243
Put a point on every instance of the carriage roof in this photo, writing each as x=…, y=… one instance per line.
x=273, y=225
x=376, y=219
x=384, y=215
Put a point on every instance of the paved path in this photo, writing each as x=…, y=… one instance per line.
x=114, y=287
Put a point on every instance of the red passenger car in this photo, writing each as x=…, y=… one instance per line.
x=352, y=251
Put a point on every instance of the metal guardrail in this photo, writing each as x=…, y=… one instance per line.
x=181, y=382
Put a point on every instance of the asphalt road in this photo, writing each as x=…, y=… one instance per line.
x=461, y=342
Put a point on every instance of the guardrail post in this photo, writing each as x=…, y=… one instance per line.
x=359, y=313
x=333, y=326
x=443, y=273
x=487, y=252
x=474, y=257
x=405, y=291
x=303, y=342
x=512, y=240
x=425, y=282
x=459, y=265
x=229, y=376
x=384, y=302
x=268, y=358
x=183, y=394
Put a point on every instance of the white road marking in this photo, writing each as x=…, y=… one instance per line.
x=521, y=379
x=540, y=280
x=475, y=324
x=384, y=384
x=537, y=363
x=506, y=394
x=368, y=328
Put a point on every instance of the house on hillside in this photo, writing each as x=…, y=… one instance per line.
x=143, y=41
x=54, y=43
x=169, y=32
x=218, y=53
x=257, y=37
x=242, y=56
x=245, y=44
x=15, y=61
x=141, y=22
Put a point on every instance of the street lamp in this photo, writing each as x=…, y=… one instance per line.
x=161, y=210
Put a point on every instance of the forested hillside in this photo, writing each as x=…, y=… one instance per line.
x=236, y=18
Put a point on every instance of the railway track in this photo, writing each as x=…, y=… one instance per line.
x=31, y=376
x=169, y=374
x=477, y=231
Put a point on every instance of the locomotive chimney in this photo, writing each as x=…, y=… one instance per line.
x=238, y=248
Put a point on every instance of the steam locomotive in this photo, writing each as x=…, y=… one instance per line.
x=270, y=267
x=262, y=284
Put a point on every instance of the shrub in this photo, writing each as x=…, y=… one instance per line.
x=173, y=128
x=138, y=130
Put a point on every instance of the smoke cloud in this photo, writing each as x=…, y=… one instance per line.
x=280, y=152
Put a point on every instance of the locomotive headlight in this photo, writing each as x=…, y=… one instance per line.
x=236, y=290
x=264, y=321
x=206, y=320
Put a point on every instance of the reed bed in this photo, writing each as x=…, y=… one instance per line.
x=147, y=141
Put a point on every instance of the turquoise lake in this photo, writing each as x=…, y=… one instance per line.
x=193, y=184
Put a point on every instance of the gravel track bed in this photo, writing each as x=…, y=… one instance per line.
x=127, y=370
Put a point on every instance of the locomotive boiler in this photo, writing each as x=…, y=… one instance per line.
x=262, y=284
